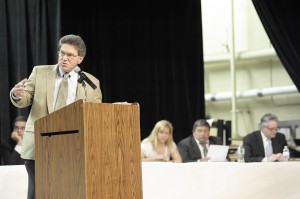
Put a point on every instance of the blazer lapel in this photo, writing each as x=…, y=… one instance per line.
x=51, y=79
x=260, y=143
x=195, y=147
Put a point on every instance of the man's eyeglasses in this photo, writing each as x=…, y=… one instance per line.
x=273, y=129
x=16, y=128
x=70, y=56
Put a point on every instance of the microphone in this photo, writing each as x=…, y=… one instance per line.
x=83, y=77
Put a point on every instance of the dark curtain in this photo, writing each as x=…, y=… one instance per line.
x=148, y=52
x=29, y=31
x=281, y=19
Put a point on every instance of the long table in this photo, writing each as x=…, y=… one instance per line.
x=211, y=180
x=13, y=182
x=218, y=180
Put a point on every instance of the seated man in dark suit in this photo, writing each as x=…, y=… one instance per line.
x=265, y=145
x=10, y=149
x=195, y=147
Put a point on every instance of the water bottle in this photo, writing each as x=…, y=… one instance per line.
x=286, y=154
x=241, y=153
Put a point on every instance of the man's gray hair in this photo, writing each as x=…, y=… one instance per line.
x=267, y=118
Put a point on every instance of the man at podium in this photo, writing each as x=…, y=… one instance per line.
x=49, y=88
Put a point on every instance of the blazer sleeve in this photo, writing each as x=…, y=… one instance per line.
x=184, y=150
x=27, y=99
x=96, y=95
x=10, y=156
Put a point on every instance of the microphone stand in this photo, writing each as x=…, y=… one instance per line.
x=83, y=77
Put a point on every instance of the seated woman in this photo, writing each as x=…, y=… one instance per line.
x=159, y=145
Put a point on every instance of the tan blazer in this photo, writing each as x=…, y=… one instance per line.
x=39, y=92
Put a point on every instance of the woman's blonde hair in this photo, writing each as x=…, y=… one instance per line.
x=152, y=138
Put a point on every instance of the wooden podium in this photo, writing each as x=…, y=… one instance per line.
x=89, y=151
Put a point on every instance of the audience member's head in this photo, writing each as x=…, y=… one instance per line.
x=269, y=125
x=162, y=132
x=201, y=130
x=19, y=125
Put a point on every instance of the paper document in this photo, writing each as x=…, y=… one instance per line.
x=217, y=153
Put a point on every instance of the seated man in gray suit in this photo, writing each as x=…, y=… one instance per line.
x=195, y=147
x=266, y=144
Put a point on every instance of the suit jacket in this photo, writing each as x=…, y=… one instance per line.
x=9, y=155
x=39, y=92
x=254, y=146
x=189, y=149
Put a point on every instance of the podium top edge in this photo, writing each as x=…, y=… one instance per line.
x=114, y=103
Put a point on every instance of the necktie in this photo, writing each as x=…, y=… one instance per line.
x=269, y=150
x=204, y=149
x=62, y=94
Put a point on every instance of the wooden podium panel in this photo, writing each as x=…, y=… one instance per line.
x=89, y=151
